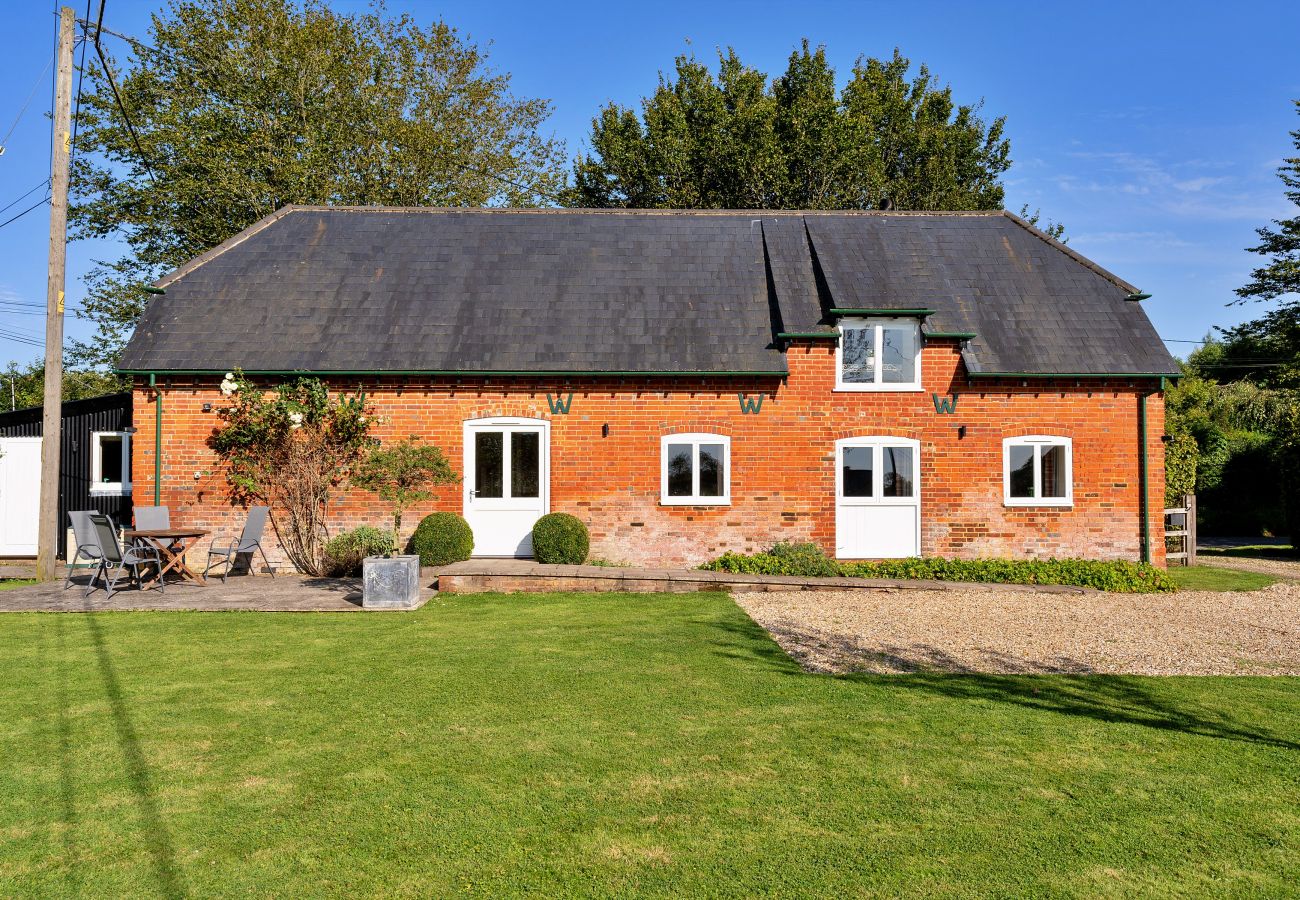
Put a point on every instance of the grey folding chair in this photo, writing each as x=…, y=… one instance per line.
x=152, y=518
x=87, y=543
x=114, y=562
x=249, y=540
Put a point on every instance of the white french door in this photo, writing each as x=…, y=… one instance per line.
x=877, y=498
x=507, y=483
x=20, y=495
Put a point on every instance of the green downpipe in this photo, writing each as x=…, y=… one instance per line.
x=1146, y=488
x=157, y=440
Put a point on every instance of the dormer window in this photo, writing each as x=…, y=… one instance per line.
x=879, y=355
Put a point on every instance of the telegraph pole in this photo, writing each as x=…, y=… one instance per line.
x=48, y=533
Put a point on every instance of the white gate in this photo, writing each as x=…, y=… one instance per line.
x=20, y=495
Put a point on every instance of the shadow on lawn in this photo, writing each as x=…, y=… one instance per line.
x=157, y=838
x=1060, y=685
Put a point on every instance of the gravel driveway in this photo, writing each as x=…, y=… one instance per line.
x=1187, y=633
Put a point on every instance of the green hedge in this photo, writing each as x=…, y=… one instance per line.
x=807, y=559
x=442, y=538
x=344, y=553
x=560, y=538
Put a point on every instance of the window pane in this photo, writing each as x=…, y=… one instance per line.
x=858, y=352
x=524, y=463
x=896, y=463
x=110, y=458
x=679, y=470
x=857, y=471
x=1053, y=471
x=898, y=354
x=1022, y=470
x=712, y=470
x=488, y=468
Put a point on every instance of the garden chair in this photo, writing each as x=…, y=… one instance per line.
x=83, y=533
x=114, y=562
x=250, y=539
x=152, y=518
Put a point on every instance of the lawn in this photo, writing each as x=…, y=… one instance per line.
x=8, y=584
x=603, y=745
x=1211, y=578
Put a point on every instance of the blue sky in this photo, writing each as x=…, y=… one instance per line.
x=1152, y=131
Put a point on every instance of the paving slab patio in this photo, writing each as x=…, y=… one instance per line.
x=260, y=593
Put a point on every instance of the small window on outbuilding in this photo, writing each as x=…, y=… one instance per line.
x=1037, y=470
x=879, y=355
x=695, y=470
x=110, y=462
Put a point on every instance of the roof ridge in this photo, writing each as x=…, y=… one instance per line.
x=555, y=210
x=232, y=241
x=1070, y=252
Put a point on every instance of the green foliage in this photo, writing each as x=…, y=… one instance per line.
x=442, y=538
x=561, y=539
x=402, y=475
x=736, y=141
x=1181, y=457
x=1210, y=578
x=802, y=559
x=24, y=386
x=344, y=553
x=247, y=106
x=290, y=449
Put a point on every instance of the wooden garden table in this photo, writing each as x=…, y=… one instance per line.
x=172, y=544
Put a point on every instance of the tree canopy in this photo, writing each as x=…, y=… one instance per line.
x=243, y=106
x=739, y=141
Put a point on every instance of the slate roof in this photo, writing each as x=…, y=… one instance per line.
x=585, y=291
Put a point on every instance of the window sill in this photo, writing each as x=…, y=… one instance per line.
x=695, y=501
x=878, y=388
x=1049, y=504
x=110, y=490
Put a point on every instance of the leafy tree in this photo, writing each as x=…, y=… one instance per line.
x=24, y=386
x=736, y=141
x=243, y=106
x=1281, y=243
x=402, y=475
x=289, y=449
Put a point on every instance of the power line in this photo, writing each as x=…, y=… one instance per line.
x=112, y=83
x=24, y=196
x=26, y=103
x=36, y=205
x=81, y=74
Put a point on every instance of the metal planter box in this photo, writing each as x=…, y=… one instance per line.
x=390, y=582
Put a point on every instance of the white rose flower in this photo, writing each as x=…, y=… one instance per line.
x=228, y=387
x=295, y=420
x=230, y=376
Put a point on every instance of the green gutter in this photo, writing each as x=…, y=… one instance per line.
x=1146, y=494
x=157, y=440
x=883, y=312
x=959, y=335
x=1073, y=375
x=828, y=335
x=463, y=373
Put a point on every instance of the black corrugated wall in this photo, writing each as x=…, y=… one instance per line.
x=81, y=418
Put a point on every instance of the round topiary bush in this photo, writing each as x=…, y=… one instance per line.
x=442, y=539
x=560, y=538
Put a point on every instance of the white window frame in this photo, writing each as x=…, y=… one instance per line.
x=879, y=384
x=695, y=439
x=1038, y=442
x=99, y=487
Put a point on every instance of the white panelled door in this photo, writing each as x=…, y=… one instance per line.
x=20, y=495
x=507, y=483
x=877, y=498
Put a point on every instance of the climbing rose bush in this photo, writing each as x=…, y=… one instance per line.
x=290, y=448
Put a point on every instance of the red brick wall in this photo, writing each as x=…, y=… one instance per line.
x=783, y=459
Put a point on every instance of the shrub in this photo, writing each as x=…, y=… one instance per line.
x=1109, y=575
x=560, y=538
x=343, y=554
x=442, y=539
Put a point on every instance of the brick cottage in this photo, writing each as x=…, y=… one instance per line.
x=686, y=383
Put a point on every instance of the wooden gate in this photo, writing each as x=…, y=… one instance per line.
x=1180, y=532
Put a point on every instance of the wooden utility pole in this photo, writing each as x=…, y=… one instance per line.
x=47, y=538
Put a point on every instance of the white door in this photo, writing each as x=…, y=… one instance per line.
x=507, y=483
x=877, y=498
x=20, y=495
